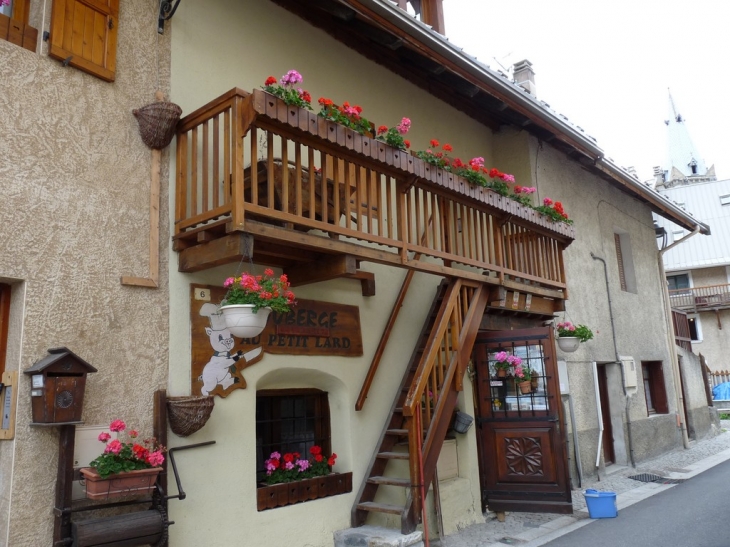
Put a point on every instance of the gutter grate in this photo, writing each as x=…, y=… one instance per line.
x=648, y=477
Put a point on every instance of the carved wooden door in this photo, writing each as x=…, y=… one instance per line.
x=524, y=465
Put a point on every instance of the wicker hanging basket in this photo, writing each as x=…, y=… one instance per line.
x=157, y=123
x=187, y=415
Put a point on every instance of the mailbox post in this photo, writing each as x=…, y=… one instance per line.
x=57, y=387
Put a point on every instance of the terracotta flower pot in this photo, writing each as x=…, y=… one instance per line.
x=129, y=483
x=243, y=322
x=525, y=387
x=501, y=373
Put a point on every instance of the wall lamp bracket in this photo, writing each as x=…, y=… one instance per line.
x=167, y=10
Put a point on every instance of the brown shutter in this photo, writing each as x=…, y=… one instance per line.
x=659, y=390
x=84, y=32
x=620, y=258
x=4, y=321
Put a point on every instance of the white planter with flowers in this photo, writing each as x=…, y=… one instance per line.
x=251, y=298
x=571, y=336
x=244, y=321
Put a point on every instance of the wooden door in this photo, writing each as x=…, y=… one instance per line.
x=523, y=465
x=609, y=456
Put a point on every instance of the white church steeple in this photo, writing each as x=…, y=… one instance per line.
x=684, y=164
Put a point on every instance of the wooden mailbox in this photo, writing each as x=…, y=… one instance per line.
x=57, y=387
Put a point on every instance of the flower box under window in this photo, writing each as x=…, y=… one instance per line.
x=289, y=493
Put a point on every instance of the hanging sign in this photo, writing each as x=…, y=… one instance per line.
x=313, y=327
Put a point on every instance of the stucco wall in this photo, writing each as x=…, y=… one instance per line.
x=639, y=326
x=714, y=343
x=74, y=180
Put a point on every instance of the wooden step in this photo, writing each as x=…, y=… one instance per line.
x=380, y=507
x=393, y=455
x=392, y=481
x=399, y=432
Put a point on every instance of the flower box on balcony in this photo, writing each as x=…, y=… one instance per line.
x=289, y=493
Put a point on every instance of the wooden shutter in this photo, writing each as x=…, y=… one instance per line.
x=16, y=30
x=4, y=321
x=620, y=258
x=84, y=33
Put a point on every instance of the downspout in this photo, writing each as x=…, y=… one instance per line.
x=670, y=336
x=600, y=416
x=618, y=360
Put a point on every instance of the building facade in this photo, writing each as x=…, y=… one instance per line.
x=248, y=185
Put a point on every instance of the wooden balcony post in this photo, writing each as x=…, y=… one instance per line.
x=237, y=212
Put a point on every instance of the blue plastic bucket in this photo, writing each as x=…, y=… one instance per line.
x=601, y=505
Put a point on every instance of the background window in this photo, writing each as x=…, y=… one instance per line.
x=695, y=329
x=679, y=281
x=292, y=420
x=654, y=390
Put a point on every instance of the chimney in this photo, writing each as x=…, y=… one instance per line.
x=659, y=178
x=524, y=76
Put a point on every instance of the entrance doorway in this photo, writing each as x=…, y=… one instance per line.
x=523, y=464
x=609, y=455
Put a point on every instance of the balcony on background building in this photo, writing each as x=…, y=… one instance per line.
x=697, y=299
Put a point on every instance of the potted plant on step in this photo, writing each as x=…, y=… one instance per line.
x=124, y=468
x=571, y=336
x=250, y=299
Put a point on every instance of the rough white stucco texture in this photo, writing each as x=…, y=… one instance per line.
x=74, y=180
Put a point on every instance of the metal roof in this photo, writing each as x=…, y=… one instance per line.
x=703, y=200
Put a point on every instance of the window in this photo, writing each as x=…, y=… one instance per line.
x=654, y=389
x=678, y=282
x=84, y=34
x=4, y=321
x=625, y=261
x=14, y=25
x=725, y=200
x=291, y=420
x=695, y=328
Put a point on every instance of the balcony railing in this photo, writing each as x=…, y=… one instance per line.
x=701, y=298
x=247, y=162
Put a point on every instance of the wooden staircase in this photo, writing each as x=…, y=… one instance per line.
x=424, y=404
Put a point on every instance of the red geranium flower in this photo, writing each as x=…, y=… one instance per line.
x=434, y=143
x=288, y=457
x=270, y=81
x=447, y=148
x=407, y=143
x=315, y=450
x=382, y=129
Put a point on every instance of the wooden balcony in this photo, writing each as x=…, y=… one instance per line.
x=258, y=178
x=697, y=299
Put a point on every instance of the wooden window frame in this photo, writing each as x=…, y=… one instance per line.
x=620, y=260
x=653, y=380
x=4, y=323
x=16, y=30
x=322, y=425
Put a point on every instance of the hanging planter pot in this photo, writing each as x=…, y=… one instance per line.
x=243, y=322
x=157, y=123
x=568, y=344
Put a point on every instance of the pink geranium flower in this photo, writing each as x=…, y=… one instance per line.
x=117, y=425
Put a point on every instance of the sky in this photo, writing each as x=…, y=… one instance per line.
x=609, y=66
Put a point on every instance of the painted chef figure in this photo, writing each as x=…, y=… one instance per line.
x=222, y=369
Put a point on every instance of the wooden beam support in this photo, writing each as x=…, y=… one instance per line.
x=367, y=282
x=64, y=482
x=323, y=270
x=231, y=248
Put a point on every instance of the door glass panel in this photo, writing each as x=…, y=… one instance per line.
x=506, y=396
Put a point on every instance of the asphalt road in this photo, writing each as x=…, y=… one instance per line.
x=691, y=514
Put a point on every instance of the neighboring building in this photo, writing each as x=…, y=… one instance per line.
x=698, y=270
x=349, y=227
